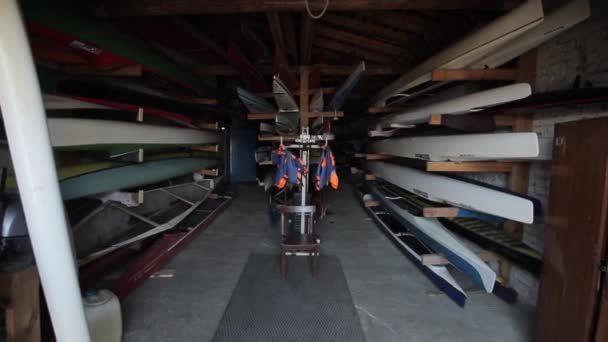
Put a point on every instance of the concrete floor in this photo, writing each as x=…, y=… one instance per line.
x=394, y=300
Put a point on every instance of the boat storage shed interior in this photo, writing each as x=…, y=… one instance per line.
x=304, y=170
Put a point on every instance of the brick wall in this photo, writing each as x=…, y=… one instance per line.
x=577, y=56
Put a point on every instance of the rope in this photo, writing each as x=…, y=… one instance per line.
x=320, y=15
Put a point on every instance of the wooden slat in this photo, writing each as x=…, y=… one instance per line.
x=427, y=28
x=192, y=7
x=210, y=172
x=470, y=166
x=371, y=204
x=370, y=177
x=207, y=125
x=436, y=259
x=361, y=41
x=440, y=212
x=377, y=156
x=271, y=116
x=207, y=148
x=475, y=74
x=360, y=52
x=499, y=120
x=19, y=294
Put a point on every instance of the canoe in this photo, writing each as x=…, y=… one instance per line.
x=464, y=147
x=254, y=103
x=91, y=36
x=346, y=88
x=460, y=105
x=113, y=225
x=288, y=116
x=439, y=239
x=129, y=176
x=455, y=192
x=471, y=49
x=93, y=134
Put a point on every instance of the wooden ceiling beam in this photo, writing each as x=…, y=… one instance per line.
x=200, y=37
x=290, y=36
x=408, y=22
x=190, y=7
x=363, y=42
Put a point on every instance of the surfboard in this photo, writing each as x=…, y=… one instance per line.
x=254, y=103
x=346, y=88
x=93, y=134
x=430, y=232
x=471, y=49
x=464, y=147
x=461, y=105
x=455, y=192
x=288, y=116
x=411, y=247
x=129, y=176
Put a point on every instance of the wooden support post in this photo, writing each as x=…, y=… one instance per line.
x=475, y=74
x=19, y=293
x=304, y=99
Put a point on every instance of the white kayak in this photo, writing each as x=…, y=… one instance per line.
x=471, y=49
x=460, y=105
x=455, y=192
x=463, y=147
x=69, y=132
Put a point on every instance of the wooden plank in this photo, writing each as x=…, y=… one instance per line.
x=361, y=41
x=207, y=125
x=478, y=121
x=426, y=27
x=371, y=204
x=436, y=259
x=207, y=148
x=192, y=7
x=197, y=100
x=475, y=74
x=370, y=177
x=19, y=293
x=378, y=156
x=304, y=95
x=362, y=52
x=210, y=172
x=576, y=233
x=271, y=116
x=470, y=166
x=440, y=212
x=307, y=33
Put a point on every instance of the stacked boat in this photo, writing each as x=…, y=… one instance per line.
x=404, y=146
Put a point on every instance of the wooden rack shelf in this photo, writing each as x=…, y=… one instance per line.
x=208, y=148
x=448, y=166
x=271, y=116
x=475, y=75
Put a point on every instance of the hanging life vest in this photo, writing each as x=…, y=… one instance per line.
x=289, y=167
x=326, y=171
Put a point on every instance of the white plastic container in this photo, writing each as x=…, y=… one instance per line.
x=102, y=310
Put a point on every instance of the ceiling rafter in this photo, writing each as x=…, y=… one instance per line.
x=363, y=42
x=345, y=48
x=428, y=29
x=190, y=7
x=307, y=34
x=384, y=33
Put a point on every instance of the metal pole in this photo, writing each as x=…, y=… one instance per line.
x=27, y=132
